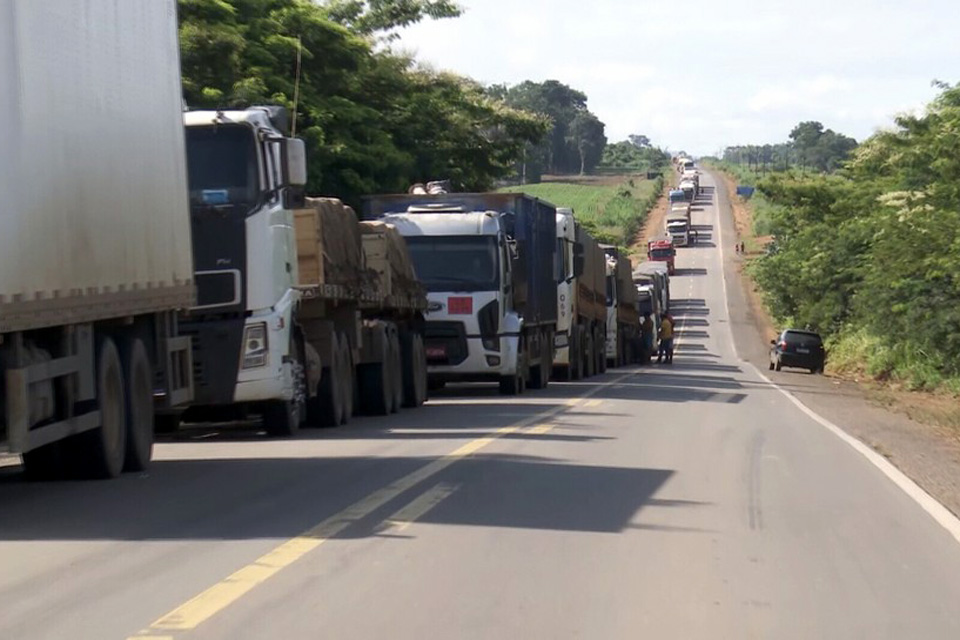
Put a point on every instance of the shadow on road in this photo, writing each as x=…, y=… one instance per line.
x=242, y=499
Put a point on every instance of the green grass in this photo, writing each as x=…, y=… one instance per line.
x=613, y=211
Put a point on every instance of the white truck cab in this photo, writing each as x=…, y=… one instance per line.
x=464, y=260
x=566, y=293
x=245, y=178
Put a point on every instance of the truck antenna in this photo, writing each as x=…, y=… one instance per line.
x=296, y=88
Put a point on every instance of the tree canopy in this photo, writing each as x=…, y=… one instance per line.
x=575, y=140
x=874, y=251
x=810, y=146
x=373, y=120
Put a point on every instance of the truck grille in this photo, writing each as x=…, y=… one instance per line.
x=448, y=338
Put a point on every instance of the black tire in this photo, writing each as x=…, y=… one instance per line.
x=516, y=384
x=396, y=372
x=576, y=354
x=414, y=370
x=283, y=418
x=138, y=373
x=589, y=358
x=100, y=453
x=376, y=396
x=326, y=408
x=510, y=385
x=540, y=375
x=347, y=379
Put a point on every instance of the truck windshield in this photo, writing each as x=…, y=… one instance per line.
x=456, y=263
x=661, y=254
x=222, y=165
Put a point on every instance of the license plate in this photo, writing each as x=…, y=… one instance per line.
x=435, y=353
x=802, y=350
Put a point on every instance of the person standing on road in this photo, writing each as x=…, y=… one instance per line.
x=646, y=334
x=666, y=340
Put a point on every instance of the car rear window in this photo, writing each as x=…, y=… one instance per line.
x=803, y=338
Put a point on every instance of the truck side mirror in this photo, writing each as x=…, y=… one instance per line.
x=512, y=250
x=578, y=260
x=293, y=171
x=293, y=162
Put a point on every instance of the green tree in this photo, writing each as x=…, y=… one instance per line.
x=386, y=16
x=372, y=120
x=560, y=152
x=586, y=134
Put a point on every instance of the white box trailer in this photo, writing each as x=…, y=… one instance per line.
x=95, y=252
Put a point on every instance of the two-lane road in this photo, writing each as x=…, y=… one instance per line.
x=685, y=501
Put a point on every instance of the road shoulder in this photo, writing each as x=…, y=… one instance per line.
x=927, y=454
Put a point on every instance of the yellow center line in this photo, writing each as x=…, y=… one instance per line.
x=593, y=403
x=540, y=429
x=419, y=507
x=218, y=597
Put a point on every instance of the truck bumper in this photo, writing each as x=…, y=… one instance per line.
x=480, y=365
x=218, y=353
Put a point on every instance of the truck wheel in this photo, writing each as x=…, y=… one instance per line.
x=139, y=405
x=511, y=385
x=601, y=348
x=414, y=370
x=516, y=384
x=396, y=372
x=589, y=358
x=576, y=355
x=375, y=396
x=283, y=417
x=326, y=409
x=100, y=452
x=373, y=378
x=539, y=375
x=348, y=384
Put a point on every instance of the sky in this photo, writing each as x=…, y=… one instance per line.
x=698, y=75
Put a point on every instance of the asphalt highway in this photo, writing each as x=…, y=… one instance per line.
x=687, y=501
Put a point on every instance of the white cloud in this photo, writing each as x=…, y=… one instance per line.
x=703, y=75
x=814, y=93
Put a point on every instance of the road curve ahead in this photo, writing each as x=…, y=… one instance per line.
x=689, y=501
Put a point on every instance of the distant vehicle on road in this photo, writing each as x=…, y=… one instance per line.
x=662, y=250
x=797, y=348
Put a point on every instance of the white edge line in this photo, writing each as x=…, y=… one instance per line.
x=928, y=503
x=943, y=516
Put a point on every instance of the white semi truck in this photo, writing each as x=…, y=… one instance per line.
x=488, y=262
x=623, y=319
x=293, y=321
x=95, y=257
x=581, y=335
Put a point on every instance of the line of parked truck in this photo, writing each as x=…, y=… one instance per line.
x=158, y=265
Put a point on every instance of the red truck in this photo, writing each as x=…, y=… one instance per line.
x=662, y=250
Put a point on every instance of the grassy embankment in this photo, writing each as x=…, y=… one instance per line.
x=612, y=207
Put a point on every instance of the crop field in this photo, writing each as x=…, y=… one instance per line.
x=613, y=210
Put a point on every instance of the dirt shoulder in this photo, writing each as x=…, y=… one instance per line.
x=927, y=453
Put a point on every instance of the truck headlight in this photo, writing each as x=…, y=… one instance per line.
x=491, y=344
x=255, y=352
